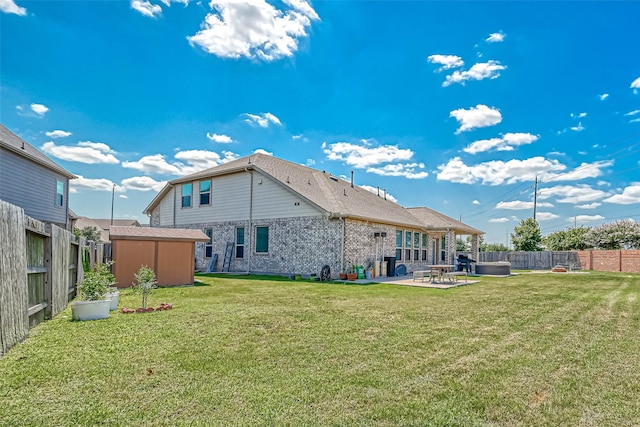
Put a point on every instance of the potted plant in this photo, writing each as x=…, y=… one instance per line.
x=352, y=275
x=92, y=291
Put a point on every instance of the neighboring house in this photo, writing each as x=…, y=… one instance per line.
x=34, y=182
x=284, y=218
x=104, y=225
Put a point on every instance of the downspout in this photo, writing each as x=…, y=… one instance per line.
x=249, y=234
x=174, y=205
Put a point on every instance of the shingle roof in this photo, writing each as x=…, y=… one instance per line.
x=150, y=233
x=13, y=142
x=434, y=220
x=329, y=193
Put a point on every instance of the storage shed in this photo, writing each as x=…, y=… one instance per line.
x=170, y=252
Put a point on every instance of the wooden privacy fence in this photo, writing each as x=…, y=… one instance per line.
x=40, y=265
x=539, y=260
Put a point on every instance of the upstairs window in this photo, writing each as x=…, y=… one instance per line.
x=187, y=189
x=205, y=192
x=59, y=193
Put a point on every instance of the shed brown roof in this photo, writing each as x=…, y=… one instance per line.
x=150, y=233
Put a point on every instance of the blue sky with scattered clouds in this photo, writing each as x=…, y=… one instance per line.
x=458, y=106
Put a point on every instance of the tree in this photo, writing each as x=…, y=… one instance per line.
x=623, y=234
x=88, y=232
x=462, y=245
x=494, y=247
x=567, y=240
x=527, y=236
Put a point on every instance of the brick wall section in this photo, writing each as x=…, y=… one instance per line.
x=296, y=245
x=626, y=261
x=361, y=247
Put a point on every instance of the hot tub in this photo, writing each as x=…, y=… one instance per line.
x=500, y=268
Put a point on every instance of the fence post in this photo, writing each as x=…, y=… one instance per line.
x=48, y=281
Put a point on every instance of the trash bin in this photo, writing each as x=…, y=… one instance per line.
x=360, y=271
x=391, y=265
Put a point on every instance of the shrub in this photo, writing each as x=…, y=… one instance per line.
x=96, y=282
x=146, y=279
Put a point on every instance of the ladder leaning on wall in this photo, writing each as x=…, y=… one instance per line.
x=228, y=253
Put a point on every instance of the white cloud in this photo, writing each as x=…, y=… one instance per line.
x=632, y=113
x=546, y=216
x=39, y=109
x=504, y=143
x=100, y=184
x=581, y=115
x=254, y=29
x=586, y=218
x=58, y=134
x=499, y=220
x=446, y=61
x=377, y=190
x=634, y=120
x=310, y=162
x=495, y=37
x=518, y=205
x=630, y=195
x=123, y=196
x=407, y=170
x=196, y=160
x=362, y=156
x=476, y=202
x=476, y=117
x=222, y=139
x=603, y=96
x=263, y=119
x=589, y=205
x=635, y=85
x=572, y=194
x=263, y=151
x=498, y=172
x=84, y=152
x=146, y=8
x=480, y=71
x=142, y=183
x=578, y=128
x=9, y=6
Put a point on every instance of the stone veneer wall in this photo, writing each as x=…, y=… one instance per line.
x=360, y=245
x=300, y=245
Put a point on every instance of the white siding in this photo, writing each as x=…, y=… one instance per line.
x=231, y=201
x=166, y=209
x=271, y=200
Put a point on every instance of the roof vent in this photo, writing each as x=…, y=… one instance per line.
x=351, y=179
x=249, y=160
x=378, y=191
x=345, y=191
x=288, y=180
x=22, y=145
x=385, y=194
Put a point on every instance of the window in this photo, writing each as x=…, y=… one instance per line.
x=59, y=193
x=240, y=242
x=205, y=192
x=416, y=246
x=425, y=240
x=186, y=195
x=262, y=240
x=208, y=246
x=407, y=246
x=443, y=247
x=398, y=245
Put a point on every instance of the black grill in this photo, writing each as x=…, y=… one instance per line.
x=464, y=263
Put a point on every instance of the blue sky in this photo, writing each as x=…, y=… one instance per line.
x=453, y=105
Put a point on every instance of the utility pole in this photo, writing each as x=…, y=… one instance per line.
x=113, y=193
x=535, y=198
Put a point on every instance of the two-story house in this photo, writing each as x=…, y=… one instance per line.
x=31, y=180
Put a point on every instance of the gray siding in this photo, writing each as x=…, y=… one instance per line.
x=32, y=187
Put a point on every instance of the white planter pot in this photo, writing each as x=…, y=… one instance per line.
x=90, y=310
x=113, y=298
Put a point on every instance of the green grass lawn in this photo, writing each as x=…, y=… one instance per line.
x=530, y=350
